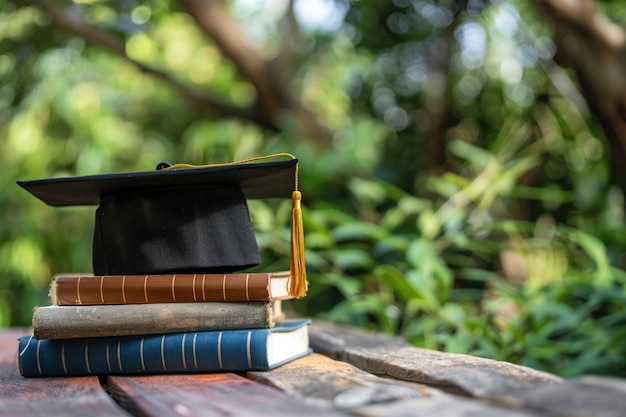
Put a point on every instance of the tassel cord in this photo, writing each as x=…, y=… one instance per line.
x=297, y=282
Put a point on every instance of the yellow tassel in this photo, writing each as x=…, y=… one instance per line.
x=297, y=282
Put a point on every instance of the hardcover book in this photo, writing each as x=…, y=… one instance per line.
x=65, y=322
x=214, y=351
x=73, y=289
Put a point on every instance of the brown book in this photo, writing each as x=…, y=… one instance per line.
x=71, y=289
x=68, y=322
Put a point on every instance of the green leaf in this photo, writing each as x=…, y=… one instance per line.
x=398, y=282
x=477, y=156
x=348, y=286
x=362, y=232
x=353, y=259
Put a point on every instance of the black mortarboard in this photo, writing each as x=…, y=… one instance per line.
x=180, y=218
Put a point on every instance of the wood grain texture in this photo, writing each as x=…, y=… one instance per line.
x=329, y=383
x=338, y=385
x=595, y=396
x=66, y=322
x=314, y=386
x=467, y=375
x=48, y=397
x=443, y=406
x=206, y=395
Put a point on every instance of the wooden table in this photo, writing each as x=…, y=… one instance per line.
x=351, y=373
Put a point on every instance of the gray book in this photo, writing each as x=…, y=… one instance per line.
x=67, y=322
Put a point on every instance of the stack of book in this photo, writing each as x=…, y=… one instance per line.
x=164, y=297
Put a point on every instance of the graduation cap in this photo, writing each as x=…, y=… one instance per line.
x=181, y=218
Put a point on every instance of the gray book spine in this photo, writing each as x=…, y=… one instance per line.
x=66, y=322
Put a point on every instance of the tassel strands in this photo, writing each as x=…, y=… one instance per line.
x=297, y=282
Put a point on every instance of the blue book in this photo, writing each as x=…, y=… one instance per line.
x=213, y=351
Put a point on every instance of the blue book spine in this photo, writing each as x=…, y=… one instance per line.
x=215, y=351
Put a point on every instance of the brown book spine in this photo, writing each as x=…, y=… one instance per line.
x=67, y=322
x=172, y=288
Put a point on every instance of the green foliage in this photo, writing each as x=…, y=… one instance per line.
x=456, y=272
x=464, y=204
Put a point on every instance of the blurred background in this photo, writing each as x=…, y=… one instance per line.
x=463, y=163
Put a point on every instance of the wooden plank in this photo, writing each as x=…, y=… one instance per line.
x=206, y=395
x=320, y=380
x=444, y=406
x=460, y=374
x=583, y=396
x=48, y=396
x=334, y=384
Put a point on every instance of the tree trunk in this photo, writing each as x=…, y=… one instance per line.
x=595, y=49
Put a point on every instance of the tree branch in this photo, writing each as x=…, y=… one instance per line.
x=595, y=49
x=271, y=79
x=213, y=18
x=73, y=22
x=291, y=39
x=583, y=15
